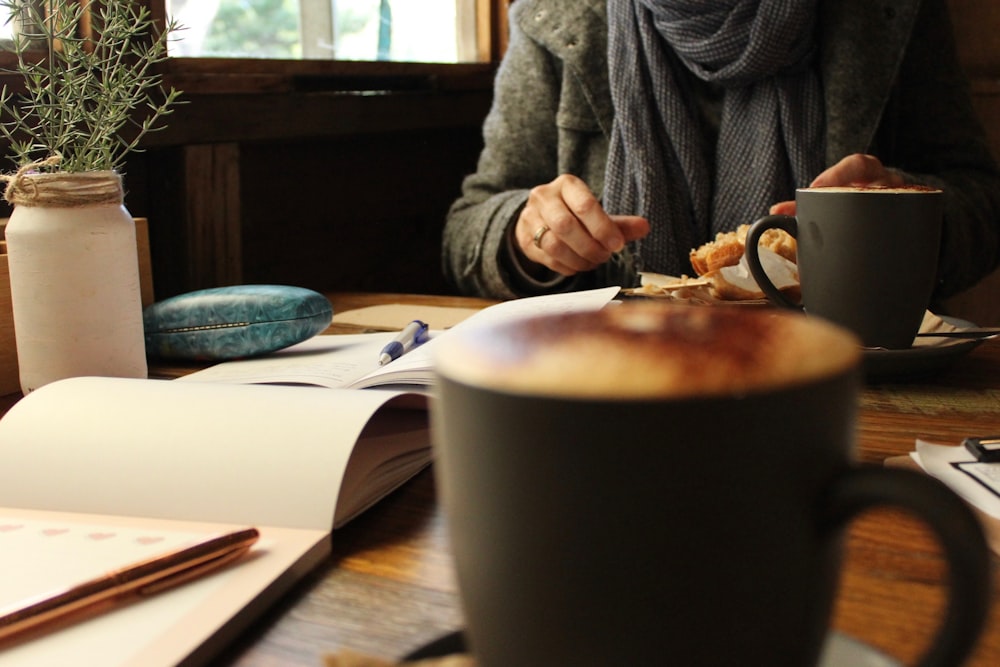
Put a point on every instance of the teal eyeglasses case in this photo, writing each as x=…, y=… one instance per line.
x=233, y=322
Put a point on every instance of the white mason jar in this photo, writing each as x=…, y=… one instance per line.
x=74, y=278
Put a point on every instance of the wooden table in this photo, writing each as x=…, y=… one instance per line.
x=389, y=587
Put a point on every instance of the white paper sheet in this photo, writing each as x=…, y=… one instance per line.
x=978, y=483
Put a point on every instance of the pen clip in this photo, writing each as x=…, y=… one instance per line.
x=422, y=333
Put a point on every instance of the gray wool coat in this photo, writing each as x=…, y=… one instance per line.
x=892, y=88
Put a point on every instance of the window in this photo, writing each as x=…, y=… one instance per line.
x=269, y=65
x=404, y=31
x=439, y=31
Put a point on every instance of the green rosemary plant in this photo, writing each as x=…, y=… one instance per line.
x=89, y=96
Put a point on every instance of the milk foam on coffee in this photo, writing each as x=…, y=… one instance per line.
x=634, y=351
x=883, y=189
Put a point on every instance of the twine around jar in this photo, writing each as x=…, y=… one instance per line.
x=32, y=187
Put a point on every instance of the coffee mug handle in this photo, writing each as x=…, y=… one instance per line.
x=752, y=252
x=960, y=535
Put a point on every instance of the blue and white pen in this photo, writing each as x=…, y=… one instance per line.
x=413, y=334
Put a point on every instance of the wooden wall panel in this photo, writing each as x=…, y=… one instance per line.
x=977, y=31
x=345, y=209
x=977, y=27
x=214, y=206
x=361, y=213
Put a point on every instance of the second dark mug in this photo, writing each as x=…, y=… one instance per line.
x=867, y=258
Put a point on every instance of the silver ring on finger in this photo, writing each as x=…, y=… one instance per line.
x=539, y=233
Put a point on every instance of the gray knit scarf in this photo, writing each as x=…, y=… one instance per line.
x=771, y=134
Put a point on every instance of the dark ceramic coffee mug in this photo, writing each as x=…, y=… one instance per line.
x=867, y=258
x=652, y=484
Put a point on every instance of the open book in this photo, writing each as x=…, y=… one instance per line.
x=350, y=361
x=98, y=473
x=95, y=472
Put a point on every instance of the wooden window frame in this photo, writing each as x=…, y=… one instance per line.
x=244, y=75
x=269, y=76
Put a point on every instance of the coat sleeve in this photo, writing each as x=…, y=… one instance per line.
x=520, y=151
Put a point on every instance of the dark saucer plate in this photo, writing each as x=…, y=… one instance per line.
x=919, y=361
x=840, y=650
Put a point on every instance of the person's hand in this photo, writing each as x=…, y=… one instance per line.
x=565, y=228
x=857, y=169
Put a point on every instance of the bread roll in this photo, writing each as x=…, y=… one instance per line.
x=728, y=247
